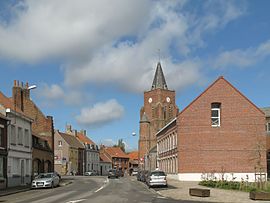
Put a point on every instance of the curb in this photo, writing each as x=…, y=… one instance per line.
x=14, y=192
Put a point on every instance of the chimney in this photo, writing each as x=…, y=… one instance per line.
x=83, y=132
x=17, y=95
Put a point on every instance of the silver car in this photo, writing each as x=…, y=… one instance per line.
x=44, y=180
x=156, y=178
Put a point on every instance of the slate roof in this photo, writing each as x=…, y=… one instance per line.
x=144, y=118
x=71, y=140
x=159, y=81
x=266, y=110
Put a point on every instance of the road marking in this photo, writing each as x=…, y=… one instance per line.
x=75, y=201
x=99, y=189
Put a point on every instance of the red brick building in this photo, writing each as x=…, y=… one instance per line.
x=158, y=110
x=221, y=133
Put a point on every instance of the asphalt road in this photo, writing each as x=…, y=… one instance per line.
x=92, y=189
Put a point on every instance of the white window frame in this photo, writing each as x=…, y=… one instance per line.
x=60, y=143
x=213, y=117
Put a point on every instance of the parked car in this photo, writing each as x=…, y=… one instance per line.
x=134, y=172
x=44, y=180
x=113, y=173
x=90, y=173
x=156, y=178
x=57, y=174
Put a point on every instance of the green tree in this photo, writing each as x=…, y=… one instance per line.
x=120, y=144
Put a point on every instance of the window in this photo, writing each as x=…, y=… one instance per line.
x=13, y=135
x=1, y=165
x=60, y=143
x=26, y=138
x=268, y=127
x=20, y=136
x=215, y=114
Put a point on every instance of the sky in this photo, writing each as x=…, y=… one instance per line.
x=93, y=60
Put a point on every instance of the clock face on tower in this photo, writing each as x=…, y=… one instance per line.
x=168, y=99
x=150, y=100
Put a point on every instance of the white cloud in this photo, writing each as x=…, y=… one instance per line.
x=101, y=113
x=242, y=58
x=54, y=92
x=116, y=43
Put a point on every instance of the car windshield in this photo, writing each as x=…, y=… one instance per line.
x=44, y=175
x=158, y=173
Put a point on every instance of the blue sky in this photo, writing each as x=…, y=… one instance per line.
x=92, y=60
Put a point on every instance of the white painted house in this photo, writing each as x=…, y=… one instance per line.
x=19, y=163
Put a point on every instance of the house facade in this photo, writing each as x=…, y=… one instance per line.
x=68, y=154
x=105, y=164
x=19, y=144
x=117, y=157
x=42, y=156
x=167, y=148
x=158, y=110
x=42, y=125
x=3, y=147
x=221, y=134
x=91, y=160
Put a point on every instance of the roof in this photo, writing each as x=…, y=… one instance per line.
x=220, y=78
x=104, y=158
x=159, y=81
x=8, y=103
x=144, y=118
x=84, y=139
x=133, y=155
x=116, y=152
x=71, y=140
x=266, y=110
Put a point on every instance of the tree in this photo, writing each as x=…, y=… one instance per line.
x=121, y=144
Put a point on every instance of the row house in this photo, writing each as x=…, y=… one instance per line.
x=105, y=164
x=69, y=154
x=19, y=144
x=133, y=159
x=167, y=148
x=118, y=158
x=42, y=128
x=219, y=134
x=3, y=147
x=91, y=160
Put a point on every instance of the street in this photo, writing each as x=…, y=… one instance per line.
x=92, y=189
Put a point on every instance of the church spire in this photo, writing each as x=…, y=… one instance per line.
x=159, y=79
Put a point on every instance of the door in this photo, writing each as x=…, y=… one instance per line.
x=22, y=172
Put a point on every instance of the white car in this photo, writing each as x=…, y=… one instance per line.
x=44, y=180
x=156, y=178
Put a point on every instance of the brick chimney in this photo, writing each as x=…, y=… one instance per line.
x=19, y=94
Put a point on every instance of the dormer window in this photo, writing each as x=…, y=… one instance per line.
x=215, y=114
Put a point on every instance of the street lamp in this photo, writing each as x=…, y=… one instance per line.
x=32, y=87
x=133, y=134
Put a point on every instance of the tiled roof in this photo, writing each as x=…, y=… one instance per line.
x=8, y=103
x=133, y=155
x=266, y=110
x=104, y=158
x=84, y=139
x=116, y=152
x=71, y=140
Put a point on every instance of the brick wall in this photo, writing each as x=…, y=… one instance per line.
x=230, y=147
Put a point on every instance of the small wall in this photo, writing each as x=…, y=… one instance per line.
x=16, y=181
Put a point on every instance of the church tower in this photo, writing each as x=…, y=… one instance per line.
x=158, y=110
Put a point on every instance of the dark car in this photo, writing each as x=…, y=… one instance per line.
x=142, y=175
x=113, y=173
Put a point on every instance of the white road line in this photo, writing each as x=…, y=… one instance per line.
x=75, y=201
x=99, y=189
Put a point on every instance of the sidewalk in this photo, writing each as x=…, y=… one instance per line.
x=180, y=190
x=13, y=190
